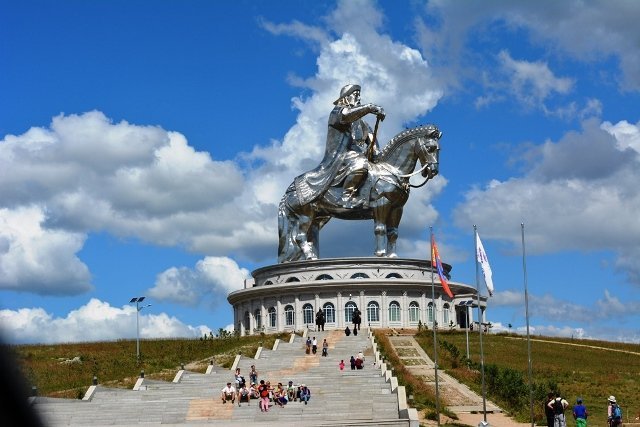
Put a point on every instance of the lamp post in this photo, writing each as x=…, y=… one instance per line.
x=138, y=300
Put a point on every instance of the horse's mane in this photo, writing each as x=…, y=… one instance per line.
x=405, y=135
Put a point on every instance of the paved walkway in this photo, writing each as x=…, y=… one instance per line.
x=466, y=404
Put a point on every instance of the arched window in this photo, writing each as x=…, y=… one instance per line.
x=268, y=282
x=445, y=314
x=289, y=315
x=324, y=277
x=393, y=276
x=359, y=276
x=247, y=321
x=394, y=311
x=258, y=316
x=414, y=312
x=349, y=308
x=307, y=314
x=272, y=317
x=430, y=313
x=292, y=279
x=373, y=312
x=329, y=313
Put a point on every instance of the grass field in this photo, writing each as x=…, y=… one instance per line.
x=589, y=369
x=55, y=373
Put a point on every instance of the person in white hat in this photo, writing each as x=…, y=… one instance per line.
x=614, y=412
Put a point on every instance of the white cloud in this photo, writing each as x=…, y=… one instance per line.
x=532, y=82
x=38, y=259
x=554, y=309
x=568, y=186
x=88, y=174
x=212, y=278
x=627, y=135
x=296, y=29
x=95, y=321
x=584, y=31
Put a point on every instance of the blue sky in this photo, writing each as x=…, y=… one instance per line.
x=144, y=148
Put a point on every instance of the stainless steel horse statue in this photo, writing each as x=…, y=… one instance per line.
x=382, y=197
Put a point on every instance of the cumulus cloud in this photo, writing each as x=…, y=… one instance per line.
x=568, y=186
x=591, y=33
x=94, y=321
x=555, y=309
x=39, y=259
x=87, y=174
x=212, y=278
x=532, y=82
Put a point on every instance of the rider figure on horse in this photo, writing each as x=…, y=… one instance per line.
x=350, y=146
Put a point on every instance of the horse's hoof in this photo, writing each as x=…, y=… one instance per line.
x=381, y=253
x=393, y=255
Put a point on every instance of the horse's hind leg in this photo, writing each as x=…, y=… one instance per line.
x=380, y=230
x=307, y=247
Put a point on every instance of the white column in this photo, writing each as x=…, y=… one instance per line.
x=252, y=320
x=384, y=310
x=363, y=310
x=339, y=312
x=279, y=316
x=404, y=309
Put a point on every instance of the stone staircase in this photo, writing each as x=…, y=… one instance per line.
x=369, y=396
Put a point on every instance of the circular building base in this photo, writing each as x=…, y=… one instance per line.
x=389, y=292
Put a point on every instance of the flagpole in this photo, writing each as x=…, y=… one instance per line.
x=484, y=392
x=435, y=339
x=526, y=304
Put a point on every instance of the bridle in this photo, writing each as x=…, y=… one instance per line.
x=409, y=175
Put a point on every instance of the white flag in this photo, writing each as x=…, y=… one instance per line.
x=481, y=256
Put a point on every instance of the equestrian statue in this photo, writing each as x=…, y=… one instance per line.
x=355, y=180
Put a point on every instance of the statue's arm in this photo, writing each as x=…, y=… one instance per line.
x=351, y=114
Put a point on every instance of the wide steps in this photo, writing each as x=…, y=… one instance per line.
x=349, y=397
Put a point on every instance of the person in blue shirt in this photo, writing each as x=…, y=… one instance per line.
x=580, y=413
x=305, y=393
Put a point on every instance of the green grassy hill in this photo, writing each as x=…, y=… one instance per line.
x=589, y=369
x=592, y=370
x=67, y=370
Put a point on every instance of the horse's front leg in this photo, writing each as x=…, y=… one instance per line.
x=392, y=231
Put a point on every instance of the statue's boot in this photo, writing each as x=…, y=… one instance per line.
x=351, y=186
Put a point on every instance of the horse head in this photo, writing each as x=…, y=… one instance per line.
x=428, y=150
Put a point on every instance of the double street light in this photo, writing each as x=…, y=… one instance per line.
x=466, y=305
x=138, y=300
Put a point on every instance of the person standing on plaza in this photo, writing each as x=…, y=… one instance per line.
x=614, y=413
x=548, y=411
x=314, y=345
x=253, y=375
x=559, y=405
x=325, y=347
x=580, y=413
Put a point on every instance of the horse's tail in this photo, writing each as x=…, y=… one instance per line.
x=287, y=247
x=283, y=231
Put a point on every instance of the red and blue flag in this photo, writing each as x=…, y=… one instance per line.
x=435, y=258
